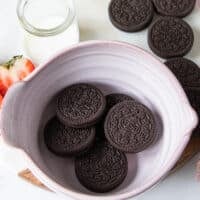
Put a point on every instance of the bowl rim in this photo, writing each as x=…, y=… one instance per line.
x=52, y=185
x=177, y=153
x=86, y=44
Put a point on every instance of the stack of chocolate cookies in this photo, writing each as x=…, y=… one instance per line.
x=98, y=130
x=169, y=36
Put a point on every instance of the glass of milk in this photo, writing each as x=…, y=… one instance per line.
x=49, y=26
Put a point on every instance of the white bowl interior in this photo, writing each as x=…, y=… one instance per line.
x=62, y=169
x=112, y=68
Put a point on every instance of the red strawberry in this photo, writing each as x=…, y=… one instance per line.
x=22, y=67
x=14, y=70
x=5, y=80
x=1, y=100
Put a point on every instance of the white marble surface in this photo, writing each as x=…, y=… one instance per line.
x=94, y=24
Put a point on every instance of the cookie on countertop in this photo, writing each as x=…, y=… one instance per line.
x=80, y=105
x=170, y=37
x=186, y=71
x=63, y=140
x=102, y=169
x=175, y=8
x=131, y=15
x=194, y=98
x=130, y=127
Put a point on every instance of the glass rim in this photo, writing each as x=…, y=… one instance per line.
x=40, y=31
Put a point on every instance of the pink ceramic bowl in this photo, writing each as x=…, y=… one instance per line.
x=113, y=67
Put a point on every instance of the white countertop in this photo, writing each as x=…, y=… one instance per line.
x=93, y=25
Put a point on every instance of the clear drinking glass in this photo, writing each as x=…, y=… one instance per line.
x=49, y=26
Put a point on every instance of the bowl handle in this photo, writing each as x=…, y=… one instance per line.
x=190, y=119
x=8, y=116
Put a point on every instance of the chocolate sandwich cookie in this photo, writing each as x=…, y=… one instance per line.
x=131, y=15
x=115, y=98
x=100, y=135
x=63, y=140
x=170, y=37
x=102, y=169
x=175, y=8
x=186, y=71
x=111, y=100
x=194, y=98
x=130, y=127
x=80, y=105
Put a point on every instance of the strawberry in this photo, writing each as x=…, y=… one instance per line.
x=1, y=100
x=14, y=70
